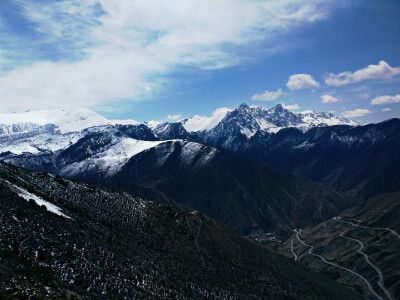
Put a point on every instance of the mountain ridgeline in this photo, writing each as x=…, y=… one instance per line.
x=225, y=166
x=317, y=146
x=244, y=194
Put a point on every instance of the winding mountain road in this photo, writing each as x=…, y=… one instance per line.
x=337, y=266
x=366, y=258
x=291, y=249
x=339, y=219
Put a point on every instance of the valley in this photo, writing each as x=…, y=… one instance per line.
x=361, y=248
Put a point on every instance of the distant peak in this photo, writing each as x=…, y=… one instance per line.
x=243, y=106
x=278, y=107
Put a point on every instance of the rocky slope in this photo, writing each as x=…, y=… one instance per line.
x=111, y=245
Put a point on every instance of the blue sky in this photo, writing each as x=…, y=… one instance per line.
x=147, y=60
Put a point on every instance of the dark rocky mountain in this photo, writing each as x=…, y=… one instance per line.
x=84, y=242
x=362, y=161
x=138, y=132
x=359, y=160
x=364, y=239
x=169, y=131
x=241, y=193
x=244, y=194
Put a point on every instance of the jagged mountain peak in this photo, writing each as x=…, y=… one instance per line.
x=278, y=117
x=253, y=118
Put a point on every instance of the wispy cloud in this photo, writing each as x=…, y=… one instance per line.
x=386, y=109
x=329, y=99
x=371, y=72
x=359, y=112
x=291, y=106
x=301, y=81
x=102, y=51
x=386, y=99
x=268, y=96
x=174, y=117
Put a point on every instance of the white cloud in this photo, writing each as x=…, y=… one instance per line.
x=221, y=110
x=174, y=117
x=371, y=72
x=291, y=106
x=124, y=50
x=386, y=99
x=268, y=96
x=359, y=112
x=386, y=109
x=329, y=99
x=301, y=81
x=153, y=123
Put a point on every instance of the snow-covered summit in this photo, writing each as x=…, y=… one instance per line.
x=254, y=118
x=66, y=121
x=312, y=119
x=201, y=123
x=250, y=119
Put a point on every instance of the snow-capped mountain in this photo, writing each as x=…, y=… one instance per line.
x=65, y=121
x=190, y=167
x=69, y=142
x=254, y=118
x=200, y=123
x=248, y=119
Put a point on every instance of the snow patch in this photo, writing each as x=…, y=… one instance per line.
x=19, y=149
x=111, y=161
x=123, y=122
x=39, y=201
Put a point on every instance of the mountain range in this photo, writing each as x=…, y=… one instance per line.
x=242, y=193
x=222, y=166
x=321, y=189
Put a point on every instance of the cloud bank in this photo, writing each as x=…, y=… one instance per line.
x=386, y=99
x=102, y=51
x=371, y=72
x=359, y=112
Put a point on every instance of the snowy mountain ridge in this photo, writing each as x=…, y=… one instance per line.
x=66, y=121
x=271, y=120
x=249, y=119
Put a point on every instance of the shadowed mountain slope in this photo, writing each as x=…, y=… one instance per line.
x=94, y=243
